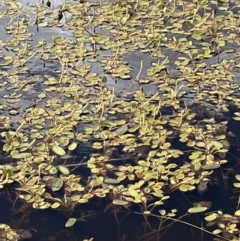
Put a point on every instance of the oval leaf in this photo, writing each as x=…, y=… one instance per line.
x=236, y=184
x=55, y=205
x=237, y=213
x=211, y=217
x=70, y=222
x=111, y=181
x=22, y=155
x=120, y=202
x=211, y=166
x=197, y=209
x=58, y=150
x=57, y=184
x=217, y=231
x=72, y=146
x=121, y=130
x=64, y=170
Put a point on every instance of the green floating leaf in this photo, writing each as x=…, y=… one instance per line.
x=211, y=217
x=104, y=79
x=22, y=155
x=238, y=177
x=58, y=150
x=200, y=144
x=8, y=172
x=217, y=144
x=7, y=62
x=211, y=166
x=195, y=154
x=132, y=192
x=190, y=25
x=55, y=205
x=121, y=130
x=70, y=222
x=237, y=213
x=237, y=114
x=97, y=145
x=162, y=212
x=72, y=146
x=53, y=170
x=186, y=187
x=57, y=184
x=146, y=212
x=236, y=184
x=99, y=180
x=64, y=170
x=42, y=95
x=111, y=181
x=120, y=202
x=197, y=209
x=43, y=24
x=217, y=231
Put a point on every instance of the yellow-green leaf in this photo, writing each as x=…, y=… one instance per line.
x=58, y=150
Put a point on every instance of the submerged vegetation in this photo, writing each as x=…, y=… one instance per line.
x=81, y=122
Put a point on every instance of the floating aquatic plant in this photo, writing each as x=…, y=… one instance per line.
x=186, y=56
